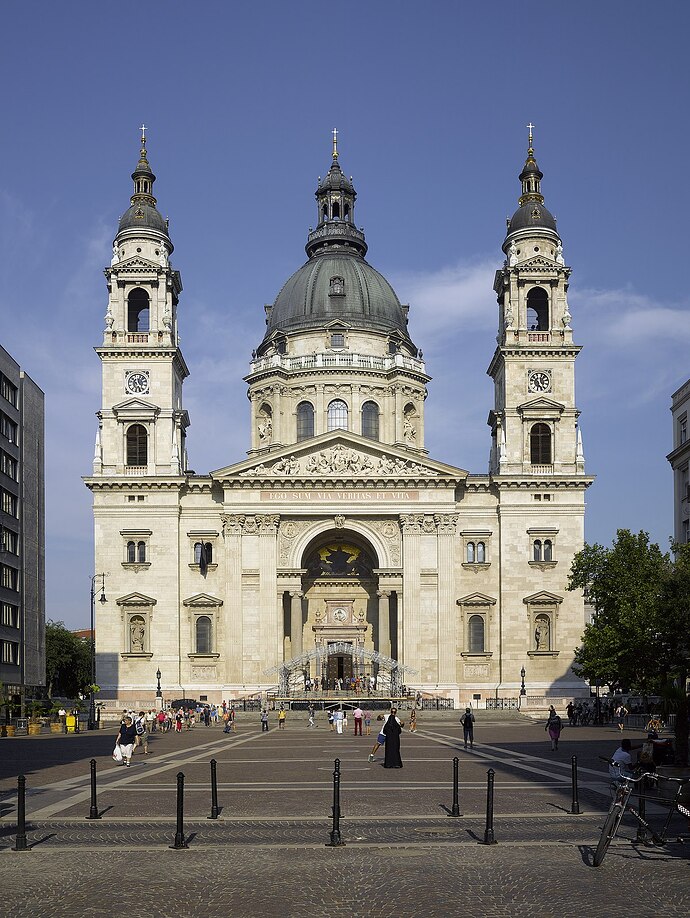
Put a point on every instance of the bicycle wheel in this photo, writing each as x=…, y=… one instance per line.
x=608, y=832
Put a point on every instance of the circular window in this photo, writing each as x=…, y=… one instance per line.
x=536, y=248
x=138, y=250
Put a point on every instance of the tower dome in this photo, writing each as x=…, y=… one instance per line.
x=531, y=214
x=142, y=213
x=336, y=282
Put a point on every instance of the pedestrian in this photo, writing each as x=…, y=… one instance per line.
x=331, y=720
x=367, y=723
x=281, y=718
x=226, y=719
x=570, y=711
x=358, y=715
x=311, y=716
x=467, y=721
x=142, y=736
x=338, y=721
x=621, y=714
x=392, y=730
x=207, y=716
x=380, y=740
x=264, y=721
x=413, y=721
x=554, y=726
x=126, y=739
x=178, y=722
x=150, y=721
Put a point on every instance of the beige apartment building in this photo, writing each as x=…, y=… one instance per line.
x=338, y=547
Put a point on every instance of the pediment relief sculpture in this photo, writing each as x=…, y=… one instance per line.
x=340, y=460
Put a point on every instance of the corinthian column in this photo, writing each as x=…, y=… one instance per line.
x=384, y=623
x=296, y=623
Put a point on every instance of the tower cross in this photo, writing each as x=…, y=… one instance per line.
x=530, y=128
x=335, y=143
x=143, y=133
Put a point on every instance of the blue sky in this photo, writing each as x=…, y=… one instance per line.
x=431, y=102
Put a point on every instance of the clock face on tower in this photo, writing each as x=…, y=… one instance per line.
x=539, y=382
x=137, y=383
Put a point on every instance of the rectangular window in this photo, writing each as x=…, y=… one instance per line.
x=8, y=391
x=8, y=429
x=10, y=652
x=9, y=541
x=9, y=615
x=8, y=465
x=9, y=577
x=682, y=430
x=8, y=504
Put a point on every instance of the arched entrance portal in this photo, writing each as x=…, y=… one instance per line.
x=343, y=618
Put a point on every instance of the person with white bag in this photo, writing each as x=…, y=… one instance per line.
x=125, y=740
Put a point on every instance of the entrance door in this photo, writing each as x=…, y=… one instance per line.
x=339, y=667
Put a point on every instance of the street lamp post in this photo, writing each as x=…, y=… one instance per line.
x=523, y=690
x=159, y=693
x=93, y=723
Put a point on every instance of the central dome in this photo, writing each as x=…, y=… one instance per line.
x=336, y=282
x=342, y=286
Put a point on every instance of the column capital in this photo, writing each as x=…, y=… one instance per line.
x=383, y=593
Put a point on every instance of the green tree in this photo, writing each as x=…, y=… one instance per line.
x=640, y=599
x=68, y=662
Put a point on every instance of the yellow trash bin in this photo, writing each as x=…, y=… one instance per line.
x=71, y=721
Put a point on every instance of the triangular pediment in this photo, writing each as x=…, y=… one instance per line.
x=542, y=598
x=541, y=403
x=137, y=263
x=134, y=404
x=136, y=599
x=538, y=263
x=476, y=599
x=340, y=454
x=202, y=599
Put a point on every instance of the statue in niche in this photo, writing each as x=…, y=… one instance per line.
x=265, y=429
x=509, y=318
x=559, y=255
x=137, y=635
x=409, y=429
x=163, y=257
x=512, y=255
x=114, y=260
x=542, y=634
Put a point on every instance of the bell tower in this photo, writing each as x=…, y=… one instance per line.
x=142, y=424
x=534, y=421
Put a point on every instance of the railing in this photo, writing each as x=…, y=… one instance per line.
x=502, y=704
x=539, y=337
x=349, y=360
x=541, y=470
x=136, y=469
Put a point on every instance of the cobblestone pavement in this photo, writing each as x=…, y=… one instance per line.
x=266, y=854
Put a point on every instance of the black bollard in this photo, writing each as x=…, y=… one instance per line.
x=489, y=838
x=179, y=834
x=336, y=841
x=20, y=844
x=575, y=806
x=455, y=811
x=214, y=791
x=93, y=809
x=642, y=836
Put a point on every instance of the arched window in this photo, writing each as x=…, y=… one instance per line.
x=131, y=553
x=138, y=310
x=370, y=420
x=538, y=309
x=141, y=552
x=137, y=445
x=536, y=550
x=305, y=420
x=203, y=634
x=346, y=211
x=481, y=553
x=335, y=210
x=540, y=444
x=548, y=550
x=324, y=212
x=475, y=628
x=471, y=556
x=337, y=415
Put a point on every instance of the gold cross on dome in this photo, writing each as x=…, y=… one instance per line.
x=335, y=143
x=143, y=133
x=530, y=128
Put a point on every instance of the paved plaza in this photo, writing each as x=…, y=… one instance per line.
x=266, y=854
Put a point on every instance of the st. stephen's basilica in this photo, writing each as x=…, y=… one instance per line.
x=338, y=549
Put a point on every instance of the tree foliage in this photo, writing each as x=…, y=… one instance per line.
x=638, y=638
x=68, y=662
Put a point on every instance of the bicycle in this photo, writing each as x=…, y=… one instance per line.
x=655, y=724
x=624, y=786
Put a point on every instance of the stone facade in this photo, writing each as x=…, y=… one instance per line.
x=338, y=530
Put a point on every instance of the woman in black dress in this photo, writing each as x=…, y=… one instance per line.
x=392, y=729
